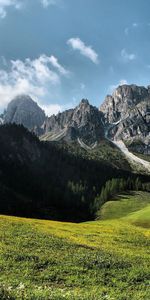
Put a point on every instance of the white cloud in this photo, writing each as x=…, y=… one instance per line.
x=36, y=70
x=5, y=4
x=127, y=56
x=46, y=3
x=87, y=51
x=54, y=61
x=114, y=86
x=33, y=77
x=51, y=109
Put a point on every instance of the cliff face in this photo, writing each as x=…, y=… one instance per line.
x=83, y=122
x=127, y=114
x=23, y=110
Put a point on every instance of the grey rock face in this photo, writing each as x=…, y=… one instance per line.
x=127, y=113
x=1, y=121
x=2, y=116
x=23, y=110
x=82, y=122
x=124, y=115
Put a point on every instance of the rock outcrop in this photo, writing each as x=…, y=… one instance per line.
x=127, y=115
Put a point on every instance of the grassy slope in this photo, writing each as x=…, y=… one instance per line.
x=106, y=259
x=126, y=206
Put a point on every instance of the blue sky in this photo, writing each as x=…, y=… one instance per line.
x=59, y=51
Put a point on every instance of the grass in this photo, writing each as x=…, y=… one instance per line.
x=124, y=205
x=105, y=259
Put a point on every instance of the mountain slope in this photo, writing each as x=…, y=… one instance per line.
x=138, y=163
x=33, y=175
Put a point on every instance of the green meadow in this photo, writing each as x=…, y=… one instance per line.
x=104, y=259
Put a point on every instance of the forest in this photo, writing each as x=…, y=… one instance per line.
x=39, y=179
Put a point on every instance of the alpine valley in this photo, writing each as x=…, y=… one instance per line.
x=84, y=164
x=57, y=167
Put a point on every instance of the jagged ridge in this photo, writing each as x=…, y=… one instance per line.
x=84, y=122
x=127, y=115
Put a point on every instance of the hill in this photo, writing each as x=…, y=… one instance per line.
x=134, y=207
x=104, y=259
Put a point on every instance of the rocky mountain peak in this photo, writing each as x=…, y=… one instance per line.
x=23, y=110
x=123, y=99
x=83, y=122
x=124, y=115
x=127, y=114
x=84, y=102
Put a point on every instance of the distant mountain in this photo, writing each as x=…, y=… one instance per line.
x=23, y=110
x=127, y=116
x=124, y=115
x=83, y=123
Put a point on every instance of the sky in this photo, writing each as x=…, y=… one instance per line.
x=60, y=51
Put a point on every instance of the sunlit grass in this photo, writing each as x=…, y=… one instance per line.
x=105, y=259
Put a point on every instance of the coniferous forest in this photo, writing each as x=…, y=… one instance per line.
x=40, y=179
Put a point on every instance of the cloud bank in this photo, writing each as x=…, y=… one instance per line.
x=33, y=77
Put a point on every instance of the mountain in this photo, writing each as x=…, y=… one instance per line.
x=39, y=179
x=84, y=123
x=127, y=116
x=123, y=119
x=124, y=115
x=23, y=110
x=61, y=175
